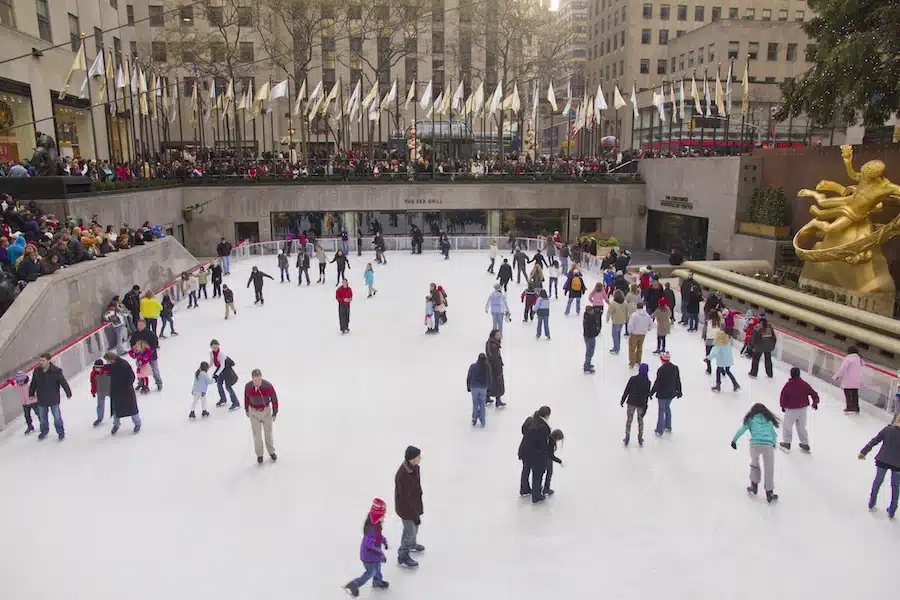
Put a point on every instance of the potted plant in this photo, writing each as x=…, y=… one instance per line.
x=767, y=215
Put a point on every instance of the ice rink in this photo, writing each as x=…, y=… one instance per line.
x=182, y=510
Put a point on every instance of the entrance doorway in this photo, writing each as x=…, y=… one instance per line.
x=246, y=230
x=590, y=225
x=666, y=231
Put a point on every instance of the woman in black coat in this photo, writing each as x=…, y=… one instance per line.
x=534, y=452
x=492, y=350
x=122, y=399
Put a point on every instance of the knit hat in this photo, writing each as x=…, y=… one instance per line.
x=20, y=377
x=749, y=314
x=643, y=369
x=665, y=357
x=98, y=363
x=663, y=302
x=378, y=510
x=497, y=287
x=762, y=314
x=412, y=452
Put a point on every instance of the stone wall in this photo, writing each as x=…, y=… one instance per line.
x=56, y=309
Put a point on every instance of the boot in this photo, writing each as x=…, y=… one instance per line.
x=204, y=414
x=417, y=548
x=771, y=496
x=29, y=429
x=405, y=561
x=753, y=488
x=96, y=423
x=500, y=403
x=137, y=428
x=351, y=589
x=805, y=447
x=625, y=441
x=42, y=436
x=273, y=456
x=785, y=445
x=382, y=585
x=220, y=403
x=192, y=415
x=641, y=442
x=115, y=429
x=716, y=388
x=259, y=460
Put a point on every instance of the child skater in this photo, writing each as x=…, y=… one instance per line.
x=543, y=314
x=430, y=322
x=166, y=317
x=556, y=436
x=370, y=551
x=143, y=356
x=100, y=388
x=202, y=381
x=529, y=297
x=369, y=277
x=553, y=285
x=761, y=424
x=29, y=403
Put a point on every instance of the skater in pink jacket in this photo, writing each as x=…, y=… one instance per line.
x=850, y=375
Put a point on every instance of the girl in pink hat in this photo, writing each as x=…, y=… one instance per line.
x=370, y=550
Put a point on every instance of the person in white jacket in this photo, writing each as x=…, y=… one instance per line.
x=492, y=253
x=639, y=323
x=497, y=306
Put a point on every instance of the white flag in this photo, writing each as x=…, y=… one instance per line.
x=142, y=88
x=82, y=93
x=720, y=96
x=134, y=79
x=496, y=98
x=301, y=95
x=589, y=115
x=229, y=95
x=261, y=96
x=426, y=97
x=120, y=79
x=681, y=101
x=279, y=91
x=568, y=107
x=706, y=97
x=410, y=95
x=389, y=97
x=456, y=103
x=478, y=100
x=446, y=101
x=330, y=98
x=618, y=100
x=634, y=105
x=173, y=105
x=244, y=102
x=600, y=103
x=97, y=67
x=659, y=101
x=728, y=90
x=438, y=104
x=317, y=91
x=78, y=64
x=314, y=109
x=512, y=102
x=696, y=96
x=374, y=110
x=672, y=100
x=551, y=97
x=353, y=101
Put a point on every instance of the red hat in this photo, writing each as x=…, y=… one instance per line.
x=663, y=302
x=379, y=508
x=665, y=357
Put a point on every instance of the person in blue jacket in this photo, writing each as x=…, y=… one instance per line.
x=478, y=380
x=16, y=249
x=761, y=424
x=887, y=459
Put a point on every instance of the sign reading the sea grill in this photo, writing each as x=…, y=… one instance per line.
x=423, y=201
x=677, y=202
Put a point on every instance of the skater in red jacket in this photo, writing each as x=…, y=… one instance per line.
x=344, y=295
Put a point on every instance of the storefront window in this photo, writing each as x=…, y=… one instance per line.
x=465, y=222
x=73, y=132
x=667, y=231
x=389, y=223
x=323, y=224
x=16, y=135
x=531, y=223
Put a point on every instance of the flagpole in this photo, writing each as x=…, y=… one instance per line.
x=109, y=121
x=728, y=107
x=743, y=113
x=681, y=116
x=671, y=97
x=150, y=98
x=693, y=114
x=433, y=138
x=632, y=119
x=179, y=90
x=118, y=121
x=129, y=103
x=396, y=110
x=703, y=113
x=416, y=131
x=275, y=152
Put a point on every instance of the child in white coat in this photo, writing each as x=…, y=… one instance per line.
x=202, y=381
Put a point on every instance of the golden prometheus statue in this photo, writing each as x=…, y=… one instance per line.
x=848, y=251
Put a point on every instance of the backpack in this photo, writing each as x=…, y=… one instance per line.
x=575, y=285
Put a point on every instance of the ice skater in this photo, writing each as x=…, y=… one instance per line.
x=553, y=281
x=341, y=263
x=666, y=387
x=724, y=359
x=29, y=403
x=344, y=296
x=850, y=375
x=202, y=381
x=322, y=261
x=283, y=266
x=215, y=273
x=663, y=317
x=228, y=297
x=636, y=394
x=761, y=424
x=302, y=265
x=99, y=389
x=504, y=274
x=477, y=382
x=574, y=288
x=556, y=438
x=495, y=361
x=257, y=279
x=763, y=343
x=122, y=399
x=590, y=326
x=795, y=397
x=223, y=374
x=431, y=323
x=142, y=355
x=543, y=314
x=408, y=504
x=498, y=308
x=529, y=298
x=369, y=278
x=534, y=452
x=370, y=552
x=520, y=259
x=492, y=254
x=887, y=459
x=261, y=407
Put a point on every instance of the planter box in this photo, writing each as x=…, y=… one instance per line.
x=767, y=231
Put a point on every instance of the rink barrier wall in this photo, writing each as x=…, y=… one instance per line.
x=78, y=355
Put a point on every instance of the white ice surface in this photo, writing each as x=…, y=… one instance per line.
x=183, y=511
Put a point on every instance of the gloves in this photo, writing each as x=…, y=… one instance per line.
x=861, y=456
x=93, y=395
x=815, y=407
x=383, y=559
x=733, y=445
x=782, y=409
x=417, y=521
x=622, y=403
x=468, y=389
x=385, y=545
x=216, y=378
x=274, y=415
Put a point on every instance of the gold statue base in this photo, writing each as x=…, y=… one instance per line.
x=877, y=292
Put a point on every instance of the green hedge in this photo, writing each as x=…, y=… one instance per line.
x=768, y=207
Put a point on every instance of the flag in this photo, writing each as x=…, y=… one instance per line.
x=248, y=106
x=568, y=107
x=229, y=96
x=151, y=98
x=728, y=90
x=681, y=101
x=659, y=100
x=331, y=96
x=173, y=105
x=745, y=103
x=120, y=79
x=262, y=94
x=696, y=96
x=478, y=100
x=301, y=94
x=600, y=102
x=142, y=89
x=110, y=75
x=317, y=91
x=672, y=100
x=551, y=97
x=207, y=110
x=634, y=105
x=314, y=109
x=720, y=97
x=134, y=79
x=496, y=98
x=706, y=97
x=390, y=96
x=353, y=100
x=456, y=103
x=580, y=116
x=426, y=97
x=97, y=67
x=589, y=115
x=82, y=93
x=447, y=101
x=194, y=101
x=410, y=95
x=78, y=64
x=279, y=91
x=436, y=107
x=245, y=101
x=618, y=100
x=512, y=102
x=374, y=110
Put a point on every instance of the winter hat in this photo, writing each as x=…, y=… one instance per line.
x=663, y=302
x=749, y=314
x=665, y=357
x=20, y=377
x=497, y=287
x=619, y=273
x=643, y=369
x=378, y=510
x=412, y=452
x=281, y=252
x=98, y=363
x=762, y=314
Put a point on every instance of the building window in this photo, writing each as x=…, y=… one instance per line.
x=245, y=51
x=623, y=14
x=753, y=50
x=186, y=16
x=245, y=16
x=98, y=40
x=810, y=52
x=621, y=69
x=799, y=15
x=690, y=59
x=679, y=33
x=602, y=26
x=664, y=12
x=157, y=18
x=767, y=14
x=716, y=13
x=782, y=15
x=772, y=51
x=622, y=38
x=215, y=15
x=734, y=48
x=648, y=11
x=732, y=13
x=188, y=56
x=158, y=52
x=615, y=42
x=217, y=52
x=129, y=14
x=674, y=60
x=43, y=19
x=681, y=62
x=750, y=14
x=132, y=49
x=74, y=32
x=699, y=13
x=770, y=80
x=616, y=19
x=701, y=53
x=712, y=52
x=114, y=4
x=682, y=12
x=661, y=66
x=437, y=42
x=354, y=12
x=614, y=70
x=663, y=37
x=117, y=51
x=7, y=14
x=645, y=36
x=791, y=52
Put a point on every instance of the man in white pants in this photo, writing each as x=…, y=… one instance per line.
x=261, y=407
x=795, y=399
